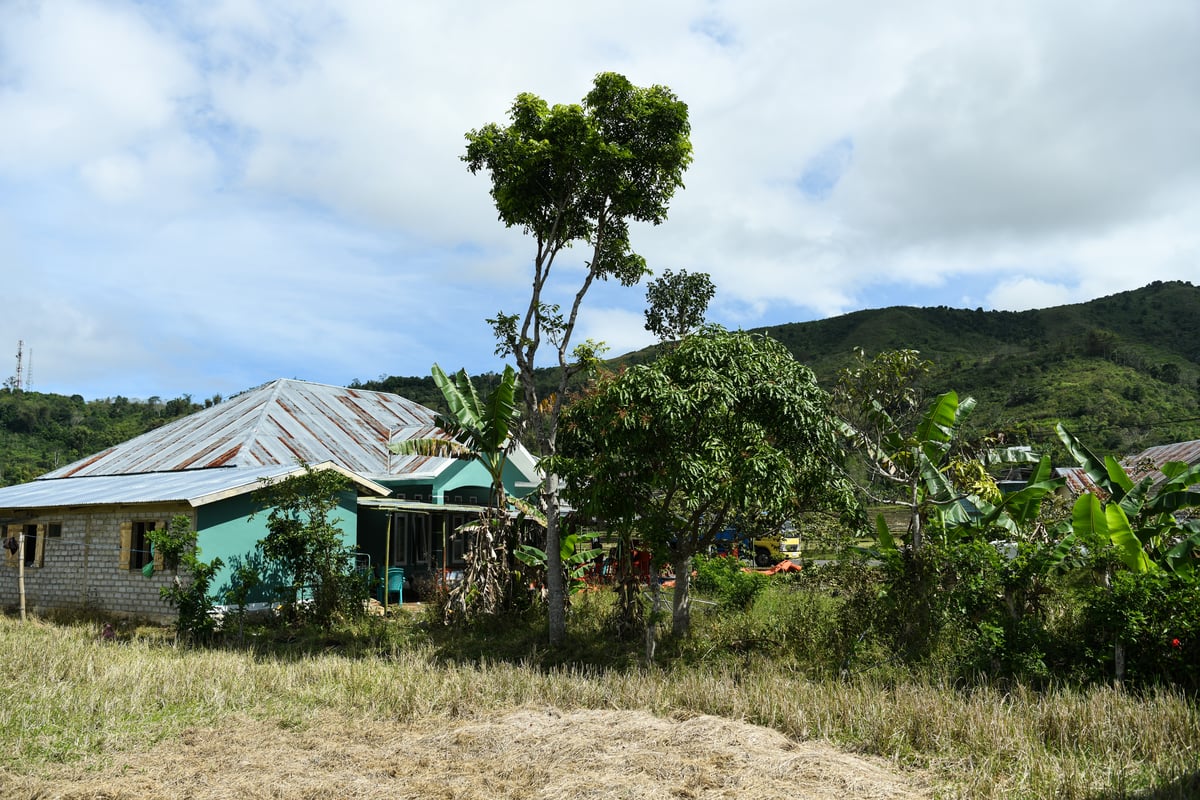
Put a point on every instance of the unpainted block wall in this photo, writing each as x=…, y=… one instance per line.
x=81, y=569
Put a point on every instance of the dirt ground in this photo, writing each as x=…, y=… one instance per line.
x=527, y=754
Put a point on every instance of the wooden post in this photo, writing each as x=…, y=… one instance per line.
x=21, y=571
x=387, y=560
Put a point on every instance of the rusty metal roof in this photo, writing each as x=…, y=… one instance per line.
x=1148, y=462
x=1077, y=480
x=280, y=423
x=1137, y=466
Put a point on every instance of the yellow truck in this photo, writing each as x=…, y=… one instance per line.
x=764, y=551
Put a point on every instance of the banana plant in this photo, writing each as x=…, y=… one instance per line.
x=479, y=429
x=1137, y=519
x=575, y=563
x=921, y=462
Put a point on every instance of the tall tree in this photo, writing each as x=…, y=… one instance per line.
x=725, y=425
x=569, y=174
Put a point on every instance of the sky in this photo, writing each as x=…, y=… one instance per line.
x=197, y=198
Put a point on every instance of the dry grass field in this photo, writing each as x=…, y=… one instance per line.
x=528, y=753
x=86, y=719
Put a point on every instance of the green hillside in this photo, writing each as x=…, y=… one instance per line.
x=1123, y=370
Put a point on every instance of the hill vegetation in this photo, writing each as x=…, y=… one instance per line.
x=1123, y=372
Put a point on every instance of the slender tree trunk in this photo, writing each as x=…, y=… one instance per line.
x=21, y=572
x=914, y=521
x=555, y=590
x=681, y=605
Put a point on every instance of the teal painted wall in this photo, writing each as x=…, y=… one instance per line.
x=464, y=478
x=224, y=530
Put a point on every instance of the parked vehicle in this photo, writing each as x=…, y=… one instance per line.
x=763, y=551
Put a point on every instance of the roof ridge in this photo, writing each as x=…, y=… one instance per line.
x=253, y=430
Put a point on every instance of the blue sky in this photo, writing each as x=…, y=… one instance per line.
x=199, y=197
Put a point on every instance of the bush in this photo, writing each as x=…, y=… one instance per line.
x=1156, y=617
x=725, y=579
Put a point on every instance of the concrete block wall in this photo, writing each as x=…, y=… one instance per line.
x=81, y=568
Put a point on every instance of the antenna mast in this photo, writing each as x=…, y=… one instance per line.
x=20, y=349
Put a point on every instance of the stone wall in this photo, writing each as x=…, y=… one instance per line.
x=81, y=568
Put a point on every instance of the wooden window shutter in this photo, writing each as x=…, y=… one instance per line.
x=10, y=556
x=39, y=555
x=158, y=553
x=126, y=543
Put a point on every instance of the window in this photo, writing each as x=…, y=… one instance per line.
x=53, y=530
x=136, y=551
x=34, y=552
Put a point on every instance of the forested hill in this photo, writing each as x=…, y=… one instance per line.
x=1122, y=372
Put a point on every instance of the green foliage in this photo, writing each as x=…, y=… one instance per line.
x=190, y=591
x=1156, y=617
x=574, y=561
x=676, y=303
x=728, y=581
x=304, y=541
x=41, y=432
x=724, y=426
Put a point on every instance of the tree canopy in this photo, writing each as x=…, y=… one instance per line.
x=726, y=425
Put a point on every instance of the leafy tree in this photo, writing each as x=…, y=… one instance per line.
x=676, y=303
x=307, y=544
x=725, y=425
x=569, y=174
x=917, y=462
x=190, y=591
x=480, y=430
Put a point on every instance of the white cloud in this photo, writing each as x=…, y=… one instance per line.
x=275, y=188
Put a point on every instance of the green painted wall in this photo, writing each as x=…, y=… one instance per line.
x=224, y=530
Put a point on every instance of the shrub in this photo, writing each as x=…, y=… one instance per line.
x=726, y=580
x=1156, y=617
x=190, y=591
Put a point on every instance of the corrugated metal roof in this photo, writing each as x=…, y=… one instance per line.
x=1077, y=480
x=195, y=487
x=1187, y=452
x=281, y=423
x=1137, y=467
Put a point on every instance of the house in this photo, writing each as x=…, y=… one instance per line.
x=84, y=525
